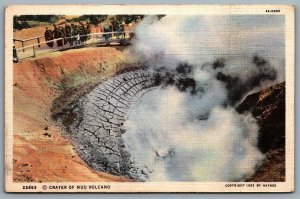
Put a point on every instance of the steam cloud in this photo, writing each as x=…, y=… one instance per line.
x=187, y=129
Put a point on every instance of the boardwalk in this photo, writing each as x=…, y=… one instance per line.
x=93, y=39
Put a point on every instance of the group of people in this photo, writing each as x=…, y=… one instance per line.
x=114, y=28
x=76, y=34
x=73, y=34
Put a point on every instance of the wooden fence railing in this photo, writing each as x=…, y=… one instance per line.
x=30, y=39
x=93, y=39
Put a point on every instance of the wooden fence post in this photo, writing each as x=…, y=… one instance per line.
x=23, y=46
x=33, y=51
x=38, y=39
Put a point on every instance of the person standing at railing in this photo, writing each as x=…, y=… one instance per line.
x=68, y=34
x=55, y=33
x=123, y=27
x=60, y=36
x=73, y=34
x=49, y=37
x=77, y=35
x=63, y=30
x=88, y=29
x=130, y=30
x=99, y=29
x=111, y=29
x=82, y=32
x=106, y=33
x=115, y=25
x=117, y=28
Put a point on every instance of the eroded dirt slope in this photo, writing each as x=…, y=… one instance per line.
x=41, y=153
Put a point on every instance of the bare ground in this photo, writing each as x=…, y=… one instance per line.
x=40, y=151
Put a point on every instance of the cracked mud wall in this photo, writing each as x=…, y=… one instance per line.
x=95, y=122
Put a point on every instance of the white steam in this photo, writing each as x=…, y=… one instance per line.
x=179, y=136
x=161, y=135
x=202, y=39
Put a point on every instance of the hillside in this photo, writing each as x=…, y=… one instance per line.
x=268, y=107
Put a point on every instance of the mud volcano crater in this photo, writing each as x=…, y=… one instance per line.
x=93, y=117
x=95, y=121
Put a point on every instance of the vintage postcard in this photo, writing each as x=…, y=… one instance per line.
x=149, y=98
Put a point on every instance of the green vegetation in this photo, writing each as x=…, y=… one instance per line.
x=96, y=19
x=93, y=19
x=28, y=21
